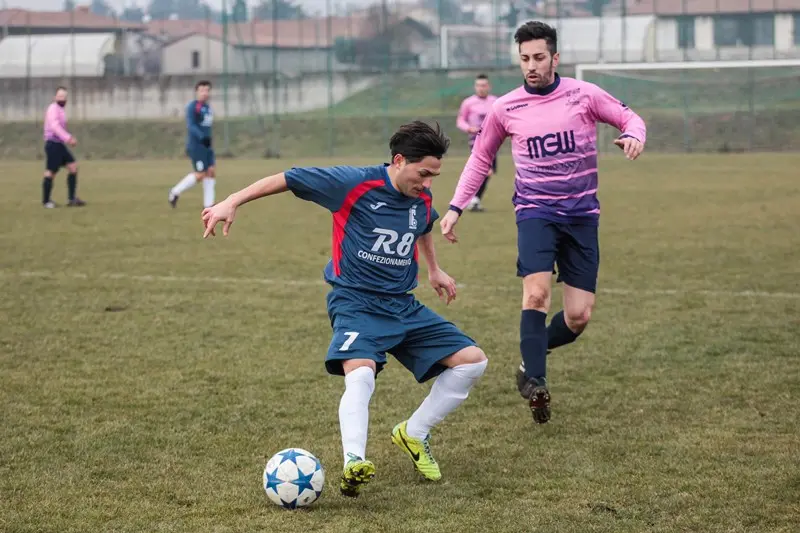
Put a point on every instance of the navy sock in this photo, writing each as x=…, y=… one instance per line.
x=47, y=188
x=72, y=184
x=533, y=343
x=558, y=334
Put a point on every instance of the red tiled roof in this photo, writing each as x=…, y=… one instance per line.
x=80, y=18
x=303, y=33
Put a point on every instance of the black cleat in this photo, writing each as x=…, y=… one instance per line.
x=76, y=202
x=536, y=392
x=173, y=200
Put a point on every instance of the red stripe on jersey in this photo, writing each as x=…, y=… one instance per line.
x=198, y=106
x=341, y=216
x=428, y=200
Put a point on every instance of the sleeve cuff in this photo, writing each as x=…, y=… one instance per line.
x=628, y=136
x=456, y=209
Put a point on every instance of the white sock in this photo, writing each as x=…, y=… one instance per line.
x=185, y=184
x=354, y=411
x=208, y=191
x=449, y=390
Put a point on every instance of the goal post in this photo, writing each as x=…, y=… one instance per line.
x=708, y=106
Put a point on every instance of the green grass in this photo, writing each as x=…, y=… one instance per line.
x=147, y=374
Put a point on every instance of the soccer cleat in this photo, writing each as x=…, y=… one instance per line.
x=173, y=200
x=49, y=205
x=357, y=472
x=418, y=450
x=475, y=205
x=76, y=202
x=536, y=392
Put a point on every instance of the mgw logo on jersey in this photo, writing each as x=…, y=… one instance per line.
x=551, y=144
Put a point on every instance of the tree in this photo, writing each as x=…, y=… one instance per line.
x=449, y=10
x=100, y=7
x=132, y=14
x=278, y=9
x=239, y=13
x=596, y=6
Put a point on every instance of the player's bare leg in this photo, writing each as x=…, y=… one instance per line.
x=72, y=186
x=209, y=184
x=188, y=181
x=450, y=389
x=532, y=374
x=47, y=189
x=568, y=324
x=359, y=382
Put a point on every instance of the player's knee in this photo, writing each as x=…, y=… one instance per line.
x=354, y=364
x=578, y=319
x=466, y=356
x=199, y=175
x=536, y=297
x=48, y=174
x=72, y=168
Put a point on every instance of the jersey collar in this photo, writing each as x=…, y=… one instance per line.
x=544, y=90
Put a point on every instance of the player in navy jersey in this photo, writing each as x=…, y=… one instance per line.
x=382, y=215
x=199, y=121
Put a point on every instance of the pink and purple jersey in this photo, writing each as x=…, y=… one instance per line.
x=553, y=134
x=472, y=112
x=55, y=124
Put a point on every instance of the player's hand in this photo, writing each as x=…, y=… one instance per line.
x=444, y=285
x=473, y=129
x=448, y=224
x=633, y=148
x=224, y=212
x=72, y=141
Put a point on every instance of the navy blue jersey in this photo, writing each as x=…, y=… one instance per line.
x=199, y=120
x=375, y=226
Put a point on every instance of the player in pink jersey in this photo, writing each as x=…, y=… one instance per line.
x=552, y=122
x=57, y=155
x=470, y=116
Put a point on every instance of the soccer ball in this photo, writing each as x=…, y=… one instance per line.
x=293, y=478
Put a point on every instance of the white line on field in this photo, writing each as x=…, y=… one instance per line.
x=319, y=283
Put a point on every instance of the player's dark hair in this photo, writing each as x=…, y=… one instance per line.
x=534, y=30
x=61, y=88
x=417, y=140
x=482, y=77
x=202, y=83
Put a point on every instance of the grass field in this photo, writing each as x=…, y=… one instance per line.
x=147, y=374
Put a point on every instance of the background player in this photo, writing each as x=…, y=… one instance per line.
x=57, y=155
x=381, y=214
x=199, y=120
x=552, y=122
x=470, y=116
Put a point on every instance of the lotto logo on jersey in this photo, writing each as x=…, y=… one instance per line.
x=389, y=248
x=551, y=144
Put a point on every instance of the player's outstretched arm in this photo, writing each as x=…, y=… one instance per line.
x=488, y=142
x=444, y=285
x=225, y=211
x=609, y=110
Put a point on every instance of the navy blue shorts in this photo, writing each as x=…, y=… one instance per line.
x=367, y=326
x=202, y=158
x=574, y=248
x=57, y=155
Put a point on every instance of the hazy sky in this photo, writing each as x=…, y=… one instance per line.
x=55, y=5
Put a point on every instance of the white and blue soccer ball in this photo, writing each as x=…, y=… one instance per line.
x=293, y=478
